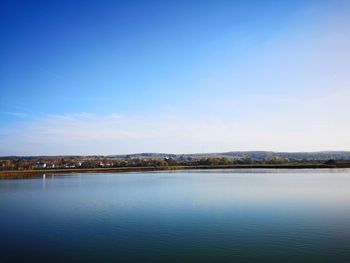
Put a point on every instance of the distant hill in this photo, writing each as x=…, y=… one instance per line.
x=234, y=155
x=254, y=155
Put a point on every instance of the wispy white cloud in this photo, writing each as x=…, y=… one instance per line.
x=17, y=114
x=87, y=133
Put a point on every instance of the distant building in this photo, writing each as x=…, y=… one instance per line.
x=40, y=165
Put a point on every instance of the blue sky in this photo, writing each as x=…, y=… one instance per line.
x=105, y=77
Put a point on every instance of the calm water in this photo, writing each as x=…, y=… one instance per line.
x=189, y=216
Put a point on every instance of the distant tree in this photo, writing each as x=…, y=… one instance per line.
x=330, y=162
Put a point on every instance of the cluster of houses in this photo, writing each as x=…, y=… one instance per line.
x=48, y=165
x=43, y=165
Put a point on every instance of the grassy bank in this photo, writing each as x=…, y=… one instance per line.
x=15, y=174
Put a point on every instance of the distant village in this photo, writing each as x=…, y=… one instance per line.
x=32, y=163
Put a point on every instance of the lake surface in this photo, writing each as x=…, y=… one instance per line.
x=180, y=216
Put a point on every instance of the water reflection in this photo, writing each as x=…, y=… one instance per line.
x=206, y=216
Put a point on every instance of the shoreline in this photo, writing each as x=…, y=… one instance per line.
x=18, y=174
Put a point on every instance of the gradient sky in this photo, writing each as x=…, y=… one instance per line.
x=108, y=77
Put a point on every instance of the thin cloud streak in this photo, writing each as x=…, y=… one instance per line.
x=86, y=133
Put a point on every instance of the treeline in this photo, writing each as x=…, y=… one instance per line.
x=71, y=162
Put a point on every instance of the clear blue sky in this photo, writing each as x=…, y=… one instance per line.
x=103, y=77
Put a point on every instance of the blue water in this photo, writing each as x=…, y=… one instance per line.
x=182, y=216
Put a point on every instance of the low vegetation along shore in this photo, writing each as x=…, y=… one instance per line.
x=22, y=174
